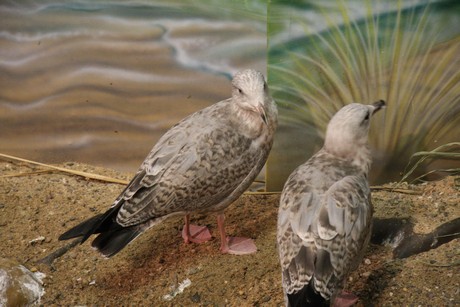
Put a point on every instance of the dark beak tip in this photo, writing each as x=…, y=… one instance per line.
x=379, y=105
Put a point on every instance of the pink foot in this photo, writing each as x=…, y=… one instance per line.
x=239, y=246
x=198, y=234
x=345, y=299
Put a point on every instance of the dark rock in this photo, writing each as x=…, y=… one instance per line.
x=196, y=298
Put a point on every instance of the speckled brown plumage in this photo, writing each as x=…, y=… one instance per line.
x=203, y=163
x=325, y=211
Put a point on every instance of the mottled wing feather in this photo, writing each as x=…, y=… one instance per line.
x=298, y=206
x=343, y=228
x=137, y=197
x=155, y=164
x=330, y=228
x=188, y=172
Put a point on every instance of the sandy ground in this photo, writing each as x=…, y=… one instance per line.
x=154, y=265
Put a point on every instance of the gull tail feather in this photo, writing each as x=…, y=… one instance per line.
x=306, y=296
x=105, y=222
x=112, y=236
x=111, y=242
x=82, y=229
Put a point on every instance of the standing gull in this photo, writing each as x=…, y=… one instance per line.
x=324, y=220
x=202, y=164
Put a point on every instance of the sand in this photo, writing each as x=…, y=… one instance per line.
x=158, y=262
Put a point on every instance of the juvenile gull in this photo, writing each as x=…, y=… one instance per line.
x=202, y=164
x=324, y=219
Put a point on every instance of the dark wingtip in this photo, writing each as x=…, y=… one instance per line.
x=306, y=296
x=110, y=243
x=112, y=237
x=81, y=230
x=99, y=223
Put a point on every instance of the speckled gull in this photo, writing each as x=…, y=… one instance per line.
x=324, y=219
x=202, y=164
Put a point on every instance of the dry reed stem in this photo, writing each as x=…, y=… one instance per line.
x=121, y=181
x=68, y=171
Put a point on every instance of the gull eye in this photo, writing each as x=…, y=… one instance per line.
x=366, y=118
x=239, y=90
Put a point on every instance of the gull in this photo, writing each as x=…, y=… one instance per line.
x=202, y=164
x=324, y=219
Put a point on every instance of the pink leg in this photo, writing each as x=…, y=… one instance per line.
x=234, y=246
x=194, y=233
x=345, y=299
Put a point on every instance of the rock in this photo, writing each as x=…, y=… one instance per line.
x=366, y=274
x=196, y=298
x=18, y=285
x=266, y=299
x=39, y=240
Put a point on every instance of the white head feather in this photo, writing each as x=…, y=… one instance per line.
x=347, y=131
x=250, y=91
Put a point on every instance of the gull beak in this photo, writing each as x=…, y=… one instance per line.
x=260, y=109
x=378, y=105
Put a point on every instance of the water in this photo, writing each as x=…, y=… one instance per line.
x=100, y=81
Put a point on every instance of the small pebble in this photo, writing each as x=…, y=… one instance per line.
x=193, y=270
x=266, y=299
x=196, y=298
x=367, y=261
x=366, y=274
x=39, y=239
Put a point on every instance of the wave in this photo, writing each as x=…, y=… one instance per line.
x=79, y=70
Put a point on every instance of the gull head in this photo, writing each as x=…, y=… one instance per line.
x=348, y=129
x=250, y=92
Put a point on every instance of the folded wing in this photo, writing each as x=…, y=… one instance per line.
x=320, y=234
